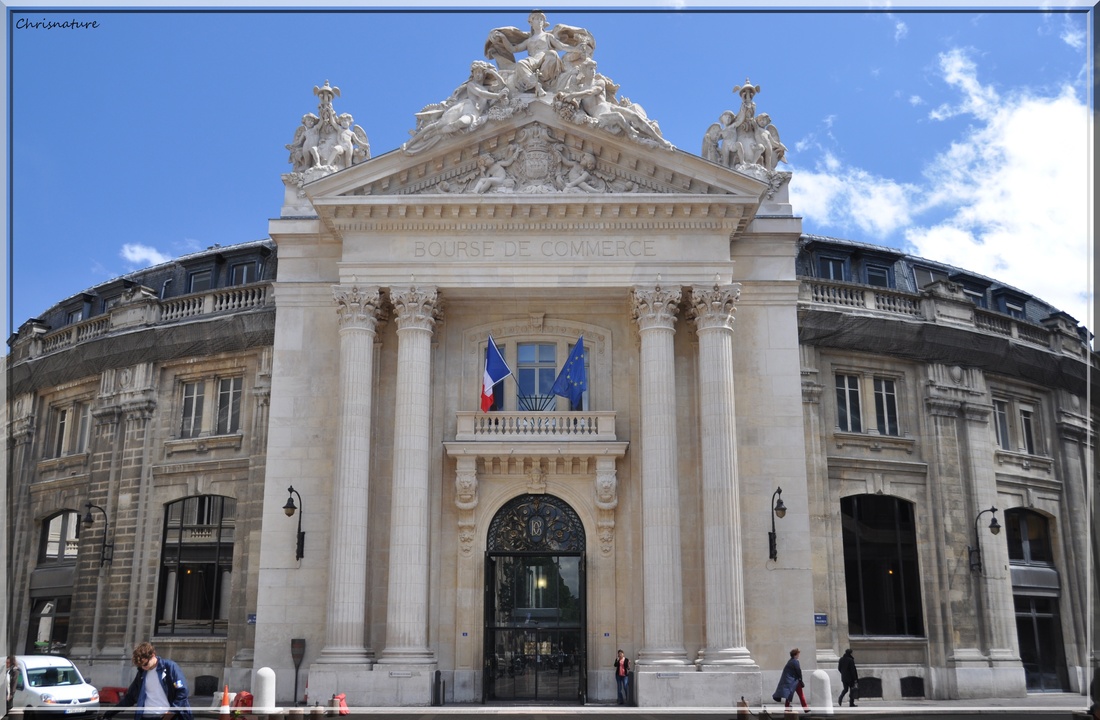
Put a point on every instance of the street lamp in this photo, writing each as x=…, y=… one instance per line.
x=976, y=551
x=289, y=508
x=106, y=549
x=779, y=511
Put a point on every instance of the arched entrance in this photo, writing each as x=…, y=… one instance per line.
x=535, y=602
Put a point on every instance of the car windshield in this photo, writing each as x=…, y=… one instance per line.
x=53, y=676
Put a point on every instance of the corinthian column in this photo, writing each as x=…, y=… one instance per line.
x=345, y=623
x=725, y=599
x=407, y=601
x=663, y=617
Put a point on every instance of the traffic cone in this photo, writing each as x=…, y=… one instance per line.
x=224, y=709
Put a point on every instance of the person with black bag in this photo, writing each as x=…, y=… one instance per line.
x=850, y=677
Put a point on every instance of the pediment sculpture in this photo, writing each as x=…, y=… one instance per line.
x=326, y=142
x=537, y=162
x=744, y=140
x=558, y=70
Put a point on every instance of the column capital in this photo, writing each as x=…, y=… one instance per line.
x=357, y=307
x=712, y=308
x=655, y=307
x=417, y=308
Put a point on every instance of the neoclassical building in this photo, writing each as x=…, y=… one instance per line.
x=924, y=428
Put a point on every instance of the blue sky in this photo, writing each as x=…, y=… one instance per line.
x=959, y=136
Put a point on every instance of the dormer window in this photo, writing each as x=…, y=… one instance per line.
x=832, y=268
x=200, y=280
x=242, y=273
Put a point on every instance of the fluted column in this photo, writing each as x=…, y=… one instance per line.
x=345, y=623
x=725, y=599
x=407, y=600
x=663, y=615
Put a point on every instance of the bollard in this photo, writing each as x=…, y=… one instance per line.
x=743, y=707
x=263, y=701
x=317, y=711
x=822, y=693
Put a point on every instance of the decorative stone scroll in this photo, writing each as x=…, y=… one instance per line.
x=326, y=142
x=607, y=499
x=466, y=500
x=558, y=70
x=744, y=140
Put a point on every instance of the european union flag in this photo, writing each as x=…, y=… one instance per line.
x=572, y=380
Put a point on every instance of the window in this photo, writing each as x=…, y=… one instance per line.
x=74, y=316
x=886, y=407
x=58, y=542
x=878, y=275
x=193, y=395
x=1016, y=424
x=536, y=370
x=927, y=276
x=1014, y=309
x=881, y=570
x=832, y=268
x=70, y=426
x=196, y=566
x=229, y=405
x=200, y=280
x=220, y=416
x=1028, y=536
x=848, y=416
x=242, y=273
x=977, y=297
x=852, y=388
x=49, y=626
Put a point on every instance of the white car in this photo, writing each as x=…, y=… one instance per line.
x=51, y=686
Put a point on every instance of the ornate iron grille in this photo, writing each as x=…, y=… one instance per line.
x=536, y=523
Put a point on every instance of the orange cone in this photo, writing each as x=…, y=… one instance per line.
x=224, y=709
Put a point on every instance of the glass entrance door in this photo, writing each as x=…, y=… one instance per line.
x=534, y=627
x=1040, y=634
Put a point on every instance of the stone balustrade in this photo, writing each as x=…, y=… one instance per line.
x=142, y=312
x=536, y=426
x=927, y=306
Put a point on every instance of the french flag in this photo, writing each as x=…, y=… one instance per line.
x=495, y=371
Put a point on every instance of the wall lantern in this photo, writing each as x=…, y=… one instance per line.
x=106, y=549
x=976, y=550
x=289, y=508
x=779, y=511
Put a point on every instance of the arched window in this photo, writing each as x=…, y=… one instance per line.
x=1028, y=536
x=58, y=542
x=196, y=566
x=880, y=566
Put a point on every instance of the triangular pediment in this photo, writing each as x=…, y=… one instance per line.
x=537, y=153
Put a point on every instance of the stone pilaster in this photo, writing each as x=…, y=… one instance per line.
x=713, y=310
x=345, y=621
x=407, y=601
x=663, y=614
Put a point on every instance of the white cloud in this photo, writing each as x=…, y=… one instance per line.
x=1017, y=212
x=900, y=31
x=1073, y=34
x=1009, y=198
x=915, y=100
x=140, y=256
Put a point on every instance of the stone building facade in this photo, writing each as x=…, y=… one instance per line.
x=730, y=362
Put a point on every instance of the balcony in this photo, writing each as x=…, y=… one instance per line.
x=532, y=426
x=140, y=309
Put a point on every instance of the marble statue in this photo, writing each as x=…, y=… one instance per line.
x=557, y=69
x=462, y=111
x=592, y=99
x=744, y=139
x=326, y=142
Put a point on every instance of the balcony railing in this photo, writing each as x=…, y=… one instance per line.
x=536, y=426
x=147, y=310
x=931, y=307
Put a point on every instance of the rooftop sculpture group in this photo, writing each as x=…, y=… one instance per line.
x=744, y=140
x=326, y=142
x=558, y=70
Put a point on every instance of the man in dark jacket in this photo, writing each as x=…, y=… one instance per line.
x=159, y=686
x=848, y=676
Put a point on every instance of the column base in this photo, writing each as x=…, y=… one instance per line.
x=726, y=660
x=373, y=685
x=688, y=688
x=346, y=656
x=662, y=657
